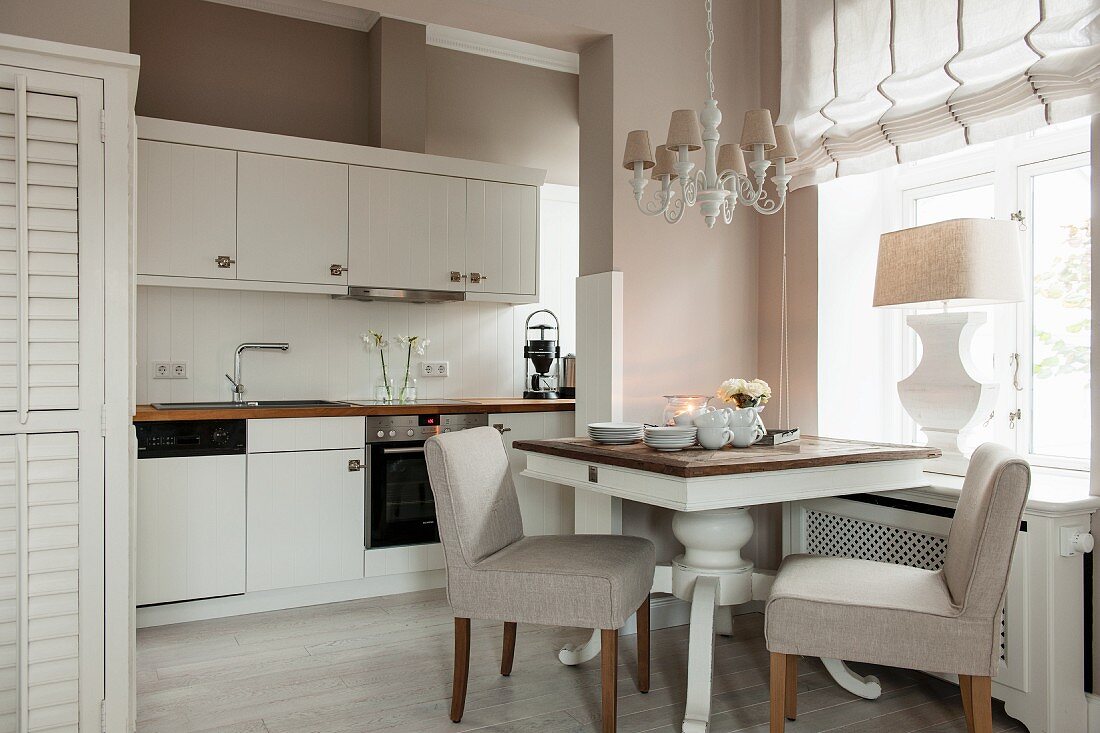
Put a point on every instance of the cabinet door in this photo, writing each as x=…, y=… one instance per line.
x=190, y=528
x=43, y=580
x=292, y=219
x=407, y=230
x=51, y=236
x=305, y=518
x=546, y=508
x=502, y=238
x=186, y=210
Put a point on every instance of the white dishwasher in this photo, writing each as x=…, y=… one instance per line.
x=190, y=510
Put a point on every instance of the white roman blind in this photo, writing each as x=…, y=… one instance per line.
x=39, y=345
x=39, y=559
x=871, y=83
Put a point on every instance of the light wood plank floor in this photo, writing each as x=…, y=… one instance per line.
x=385, y=665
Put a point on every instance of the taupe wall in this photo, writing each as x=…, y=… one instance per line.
x=96, y=23
x=220, y=65
x=399, y=95
x=502, y=112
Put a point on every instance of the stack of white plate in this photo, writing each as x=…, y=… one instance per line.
x=615, y=433
x=670, y=438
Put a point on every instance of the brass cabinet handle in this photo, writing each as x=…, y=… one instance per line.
x=457, y=277
x=476, y=277
x=337, y=270
x=355, y=465
x=224, y=261
x=501, y=429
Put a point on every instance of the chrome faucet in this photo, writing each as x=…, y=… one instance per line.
x=235, y=380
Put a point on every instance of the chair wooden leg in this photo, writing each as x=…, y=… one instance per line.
x=966, y=693
x=609, y=678
x=981, y=704
x=790, y=688
x=643, y=646
x=778, y=688
x=509, y=652
x=462, y=668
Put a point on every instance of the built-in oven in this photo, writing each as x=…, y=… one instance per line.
x=399, y=504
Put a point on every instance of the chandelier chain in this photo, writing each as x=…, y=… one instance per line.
x=710, y=46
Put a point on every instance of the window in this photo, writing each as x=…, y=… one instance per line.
x=1038, y=350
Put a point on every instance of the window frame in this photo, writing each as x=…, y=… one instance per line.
x=1009, y=165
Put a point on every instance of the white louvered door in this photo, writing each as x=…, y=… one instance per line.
x=51, y=402
x=39, y=340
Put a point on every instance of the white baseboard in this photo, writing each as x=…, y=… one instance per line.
x=274, y=600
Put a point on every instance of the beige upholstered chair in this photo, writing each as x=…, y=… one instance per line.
x=945, y=621
x=494, y=572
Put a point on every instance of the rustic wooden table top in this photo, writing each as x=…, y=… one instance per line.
x=148, y=413
x=809, y=452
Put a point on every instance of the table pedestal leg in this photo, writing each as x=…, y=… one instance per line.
x=723, y=622
x=700, y=655
x=867, y=687
x=574, y=654
x=711, y=573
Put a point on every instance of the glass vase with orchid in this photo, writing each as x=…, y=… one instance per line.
x=419, y=344
x=375, y=340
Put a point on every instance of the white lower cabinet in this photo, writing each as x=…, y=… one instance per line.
x=190, y=528
x=546, y=508
x=305, y=517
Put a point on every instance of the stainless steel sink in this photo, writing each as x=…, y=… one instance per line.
x=245, y=404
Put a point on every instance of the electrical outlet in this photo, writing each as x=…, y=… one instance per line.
x=179, y=370
x=435, y=368
x=162, y=370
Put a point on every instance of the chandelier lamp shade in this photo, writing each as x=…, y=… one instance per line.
x=726, y=178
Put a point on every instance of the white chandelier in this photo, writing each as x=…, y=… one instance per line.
x=723, y=182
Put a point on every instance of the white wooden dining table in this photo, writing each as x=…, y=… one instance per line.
x=711, y=493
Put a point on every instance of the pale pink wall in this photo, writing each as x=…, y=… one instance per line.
x=96, y=23
x=488, y=109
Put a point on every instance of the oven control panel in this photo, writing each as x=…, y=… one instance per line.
x=397, y=428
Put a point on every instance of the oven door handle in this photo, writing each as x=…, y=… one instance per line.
x=411, y=449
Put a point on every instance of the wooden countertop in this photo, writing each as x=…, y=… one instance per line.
x=809, y=452
x=148, y=413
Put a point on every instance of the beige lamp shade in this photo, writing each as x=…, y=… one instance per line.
x=683, y=129
x=961, y=262
x=784, y=145
x=758, y=130
x=638, y=149
x=665, y=160
x=730, y=158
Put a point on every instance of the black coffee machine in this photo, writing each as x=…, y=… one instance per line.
x=543, y=359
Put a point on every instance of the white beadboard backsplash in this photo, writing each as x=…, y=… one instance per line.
x=327, y=360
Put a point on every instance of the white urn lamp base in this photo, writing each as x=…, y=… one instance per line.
x=942, y=395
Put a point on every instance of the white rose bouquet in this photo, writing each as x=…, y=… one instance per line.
x=744, y=393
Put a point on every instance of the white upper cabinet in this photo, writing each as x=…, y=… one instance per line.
x=292, y=220
x=234, y=209
x=502, y=238
x=407, y=230
x=187, y=212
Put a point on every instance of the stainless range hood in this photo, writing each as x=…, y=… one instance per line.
x=408, y=296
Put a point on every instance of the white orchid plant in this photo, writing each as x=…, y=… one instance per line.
x=418, y=344
x=745, y=393
x=375, y=340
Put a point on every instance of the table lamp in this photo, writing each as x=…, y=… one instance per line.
x=956, y=263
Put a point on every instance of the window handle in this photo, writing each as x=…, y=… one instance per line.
x=1014, y=417
x=1014, y=360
